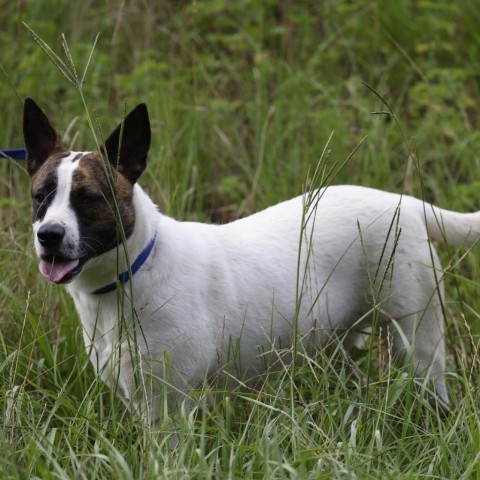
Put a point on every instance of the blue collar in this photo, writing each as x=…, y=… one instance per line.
x=125, y=276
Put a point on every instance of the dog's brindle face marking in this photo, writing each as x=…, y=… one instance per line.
x=80, y=202
x=92, y=198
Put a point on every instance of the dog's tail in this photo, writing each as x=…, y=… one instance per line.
x=456, y=229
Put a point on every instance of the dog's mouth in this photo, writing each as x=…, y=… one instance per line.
x=60, y=269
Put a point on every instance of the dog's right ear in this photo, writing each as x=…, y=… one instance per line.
x=41, y=139
x=127, y=147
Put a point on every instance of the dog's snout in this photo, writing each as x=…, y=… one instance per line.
x=51, y=235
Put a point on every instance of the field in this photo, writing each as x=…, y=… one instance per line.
x=245, y=98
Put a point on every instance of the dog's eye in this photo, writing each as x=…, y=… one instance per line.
x=88, y=200
x=39, y=198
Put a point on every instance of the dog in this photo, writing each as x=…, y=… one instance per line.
x=168, y=304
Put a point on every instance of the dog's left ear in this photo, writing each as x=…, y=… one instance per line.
x=132, y=137
x=41, y=139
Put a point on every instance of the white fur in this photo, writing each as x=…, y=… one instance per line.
x=208, y=294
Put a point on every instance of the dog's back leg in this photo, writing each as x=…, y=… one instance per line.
x=415, y=313
x=418, y=341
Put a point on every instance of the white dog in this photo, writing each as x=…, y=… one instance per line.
x=168, y=302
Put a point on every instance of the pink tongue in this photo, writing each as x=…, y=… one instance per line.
x=56, y=270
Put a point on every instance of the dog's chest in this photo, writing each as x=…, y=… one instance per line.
x=100, y=326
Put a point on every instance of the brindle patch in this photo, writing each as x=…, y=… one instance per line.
x=100, y=218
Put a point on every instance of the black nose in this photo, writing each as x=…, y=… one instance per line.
x=51, y=235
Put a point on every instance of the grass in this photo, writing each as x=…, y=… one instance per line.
x=244, y=98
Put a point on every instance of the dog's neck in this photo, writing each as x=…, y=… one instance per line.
x=104, y=270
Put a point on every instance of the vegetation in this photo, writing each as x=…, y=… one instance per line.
x=244, y=97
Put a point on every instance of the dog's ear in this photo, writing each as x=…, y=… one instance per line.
x=41, y=139
x=127, y=147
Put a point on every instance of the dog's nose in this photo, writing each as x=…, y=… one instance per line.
x=51, y=235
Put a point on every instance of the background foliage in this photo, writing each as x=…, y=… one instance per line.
x=243, y=97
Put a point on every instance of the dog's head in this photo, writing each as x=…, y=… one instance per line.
x=82, y=201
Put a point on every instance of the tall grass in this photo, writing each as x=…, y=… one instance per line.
x=245, y=97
